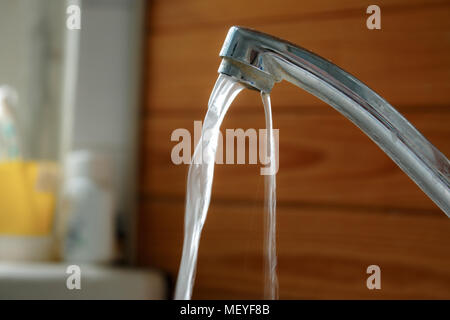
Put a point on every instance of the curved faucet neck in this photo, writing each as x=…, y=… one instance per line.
x=259, y=61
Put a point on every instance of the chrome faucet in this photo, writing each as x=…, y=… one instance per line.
x=259, y=60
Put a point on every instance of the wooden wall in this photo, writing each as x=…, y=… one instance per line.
x=342, y=203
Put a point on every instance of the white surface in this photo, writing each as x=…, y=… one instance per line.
x=106, y=97
x=48, y=281
x=30, y=61
x=29, y=248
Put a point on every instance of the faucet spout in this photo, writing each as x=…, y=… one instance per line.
x=259, y=61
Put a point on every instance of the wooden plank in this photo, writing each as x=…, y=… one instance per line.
x=324, y=159
x=323, y=252
x=343, y=204
x=407, y=62
x=173, y=16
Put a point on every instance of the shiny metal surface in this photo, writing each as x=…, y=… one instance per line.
x=259, y=61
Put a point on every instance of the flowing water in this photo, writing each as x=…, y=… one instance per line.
x=199, y=185
x=270, y=201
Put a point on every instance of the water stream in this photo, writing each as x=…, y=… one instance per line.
x=199, y=185
x=270, y=204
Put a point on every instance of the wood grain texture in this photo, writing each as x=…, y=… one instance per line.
x=171, y=16
x=324, y=158
x=323, y=252
x=411, y=51
x=342, y=203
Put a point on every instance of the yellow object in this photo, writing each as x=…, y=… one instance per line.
x=26, y=207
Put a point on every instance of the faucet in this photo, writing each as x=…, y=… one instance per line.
x=258, y=61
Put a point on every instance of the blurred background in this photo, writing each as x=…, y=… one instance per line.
x=86, y=175
x=70, y=85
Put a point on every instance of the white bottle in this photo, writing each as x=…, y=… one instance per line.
x=88, y=209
